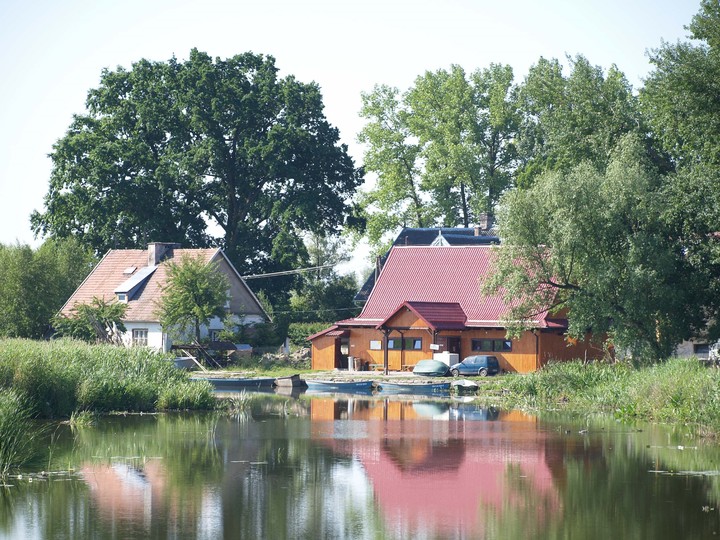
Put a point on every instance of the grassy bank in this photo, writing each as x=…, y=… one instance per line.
x=59, y=378
x=676, y=391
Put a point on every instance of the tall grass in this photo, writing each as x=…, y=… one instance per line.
x=65, y=376
x=679, y=390
x=17, y=431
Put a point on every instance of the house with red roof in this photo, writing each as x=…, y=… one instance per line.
x=137, y=278
x=427, y=300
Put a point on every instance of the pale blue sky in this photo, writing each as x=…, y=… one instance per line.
x=53, y=52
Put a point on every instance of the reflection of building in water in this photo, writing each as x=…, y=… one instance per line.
x=137, y=500
x=442, y=475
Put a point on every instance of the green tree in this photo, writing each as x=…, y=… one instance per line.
x=681, y=100
x=573, y=119
x=36, y=283
x=681, y=97
x=96, y=322
x=593, y=243
x=443, y=152
x=175, y=149
x=194, y=293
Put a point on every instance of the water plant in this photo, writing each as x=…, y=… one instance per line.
x=18, y=431
x=64, y=376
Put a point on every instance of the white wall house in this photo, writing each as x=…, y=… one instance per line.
x=137, y=277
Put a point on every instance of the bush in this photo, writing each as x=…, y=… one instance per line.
x=299, y=332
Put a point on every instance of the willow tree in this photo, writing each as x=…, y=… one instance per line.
x=594, y=244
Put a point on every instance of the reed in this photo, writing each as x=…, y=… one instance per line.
x=18, y=431
x=63, y=376
x=678, y=391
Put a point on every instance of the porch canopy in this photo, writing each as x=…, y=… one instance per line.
x=436, y=315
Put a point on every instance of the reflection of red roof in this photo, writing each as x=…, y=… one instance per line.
x=428, y=275
x=437, y=315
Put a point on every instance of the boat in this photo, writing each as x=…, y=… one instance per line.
x=465, y=386
x=347, y=387
x=236, y=383
x=431, y=368
x=185, y=362
x=415, y=388
x=291, y=381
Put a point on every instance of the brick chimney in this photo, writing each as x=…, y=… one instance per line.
x=159, y=251
x=485, y=223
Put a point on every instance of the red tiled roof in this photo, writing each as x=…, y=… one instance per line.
x=438, y=315
x=435, y=276
x=108, y=275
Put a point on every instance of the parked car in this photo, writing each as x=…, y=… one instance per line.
x=431, y=368
x=476, y=365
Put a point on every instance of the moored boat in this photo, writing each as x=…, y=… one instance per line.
x=291, y=381
x=235, y=383
x=414, y=388
x=315, y=385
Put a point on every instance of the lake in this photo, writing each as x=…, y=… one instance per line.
x=346, y=468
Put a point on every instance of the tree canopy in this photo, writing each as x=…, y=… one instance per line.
x=593, y=243
x=180, y=150
x=37, y=282
x=195, y=292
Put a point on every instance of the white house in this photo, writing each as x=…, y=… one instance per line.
x=137, y=277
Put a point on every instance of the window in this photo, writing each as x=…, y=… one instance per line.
x=491, y=345
x=413, y=344
x=701, y=348
x=375, y=345
x=122, y=297
x=140, y=337
x=394, y=344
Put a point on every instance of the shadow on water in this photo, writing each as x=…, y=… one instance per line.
x=355, y=467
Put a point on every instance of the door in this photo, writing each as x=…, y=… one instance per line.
x=453, y=345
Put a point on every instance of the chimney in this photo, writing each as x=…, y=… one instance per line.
x=485, y=223
x=159, y=251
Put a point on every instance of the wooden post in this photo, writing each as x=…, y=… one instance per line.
x=386, y=332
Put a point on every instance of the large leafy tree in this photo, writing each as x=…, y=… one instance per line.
x=593, y=243
x=179, y=150
x=195, y=292
x=681, y=99
x=571, y=119
x=36, y=283
x=443, y=152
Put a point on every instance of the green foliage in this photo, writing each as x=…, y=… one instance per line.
x=177, y=149
x=194, y=293
x=63, y=377
x=36, y=283
x=443, y=152
x=573, y=119
x=679, y=390
x=18, y=431
x=96, y=322
x=299, y=332
x=593, y=244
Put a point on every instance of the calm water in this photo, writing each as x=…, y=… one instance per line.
x=366, y=468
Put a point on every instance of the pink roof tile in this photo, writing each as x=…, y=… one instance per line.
x=438, y=315
x=439, y=275
x=108, y=275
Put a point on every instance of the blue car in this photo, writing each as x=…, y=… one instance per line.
x=480, y=364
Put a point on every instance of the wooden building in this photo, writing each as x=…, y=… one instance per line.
x=427, y=300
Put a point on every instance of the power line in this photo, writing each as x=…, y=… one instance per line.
x=288, y=272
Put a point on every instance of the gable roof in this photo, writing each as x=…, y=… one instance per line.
x=437, y=315
x=429, y=279
x=427, y=236
x=115, y=274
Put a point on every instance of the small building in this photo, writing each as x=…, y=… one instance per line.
x=137, y=277
x=427, y=300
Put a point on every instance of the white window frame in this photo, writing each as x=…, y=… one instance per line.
x=140, y=337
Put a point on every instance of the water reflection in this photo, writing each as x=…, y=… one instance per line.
x=366, y=468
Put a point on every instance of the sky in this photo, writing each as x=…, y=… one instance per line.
x=53, y=53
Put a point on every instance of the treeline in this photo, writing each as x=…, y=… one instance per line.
x=618, y=186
